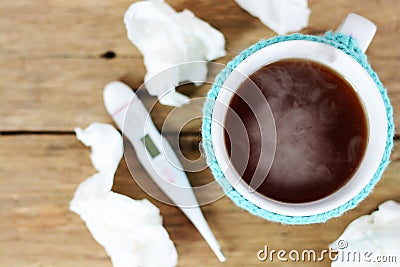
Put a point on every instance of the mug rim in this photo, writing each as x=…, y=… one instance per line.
x=365, y=88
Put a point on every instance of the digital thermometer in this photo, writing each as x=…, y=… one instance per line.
x=156, y=155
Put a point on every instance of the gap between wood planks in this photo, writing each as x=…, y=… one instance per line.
x=9, y=133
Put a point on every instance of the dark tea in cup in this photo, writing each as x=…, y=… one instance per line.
x=321, y=130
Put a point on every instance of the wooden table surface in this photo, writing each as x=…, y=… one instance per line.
x=53, y=71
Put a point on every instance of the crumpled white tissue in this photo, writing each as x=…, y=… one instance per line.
x=130, y=230
x=281, y=16
x=169, y=39
x=378, y=234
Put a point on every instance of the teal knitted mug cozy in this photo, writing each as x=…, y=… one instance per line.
x=340, y=41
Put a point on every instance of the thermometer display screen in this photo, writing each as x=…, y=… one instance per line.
x=150, y=146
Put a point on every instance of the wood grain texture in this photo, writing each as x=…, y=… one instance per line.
x=51, y=80
x=41, y=172
x=52, y=55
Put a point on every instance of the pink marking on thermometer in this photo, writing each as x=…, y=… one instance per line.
x=167, y=174
x=118, y=110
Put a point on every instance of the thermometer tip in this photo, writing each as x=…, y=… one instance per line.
x=220, y=255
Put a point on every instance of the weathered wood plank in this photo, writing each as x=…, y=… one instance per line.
x=51, y=95
x=39, y=174
x=80, y=29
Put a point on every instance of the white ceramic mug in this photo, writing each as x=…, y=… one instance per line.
x=363, y=31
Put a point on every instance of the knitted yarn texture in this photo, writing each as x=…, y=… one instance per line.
x=340, y=41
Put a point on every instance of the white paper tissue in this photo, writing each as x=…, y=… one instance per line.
x=130, y=230
x=281, y=16
x=373, y=236
x=166, y=39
